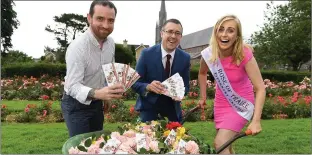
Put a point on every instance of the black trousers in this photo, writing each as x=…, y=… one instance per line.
x=164, y=107
x=81, y=118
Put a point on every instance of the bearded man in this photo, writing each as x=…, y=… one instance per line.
x=85, y=86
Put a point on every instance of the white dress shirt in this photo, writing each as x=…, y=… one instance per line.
x=164, y=57
x=84, y=60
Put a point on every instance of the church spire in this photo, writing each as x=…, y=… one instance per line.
x=162, y=19
x=163, y=6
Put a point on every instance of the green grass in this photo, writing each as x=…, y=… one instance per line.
x=19, y=105
x=290, y=136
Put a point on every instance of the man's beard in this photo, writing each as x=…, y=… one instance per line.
x=98, y=34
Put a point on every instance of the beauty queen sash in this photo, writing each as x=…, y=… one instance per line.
x=242, y=106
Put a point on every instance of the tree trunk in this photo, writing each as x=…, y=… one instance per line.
x=300, y=64
x=74, y=34
x=295, y=66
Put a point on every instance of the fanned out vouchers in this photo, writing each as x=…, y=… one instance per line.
x=120, y=73
x=174, y=86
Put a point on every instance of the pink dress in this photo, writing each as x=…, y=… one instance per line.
x=225, y=117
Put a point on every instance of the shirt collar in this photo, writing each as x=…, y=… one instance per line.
x=93, y=39
x=164, y=52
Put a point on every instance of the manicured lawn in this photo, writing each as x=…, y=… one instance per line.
x=19, y=105
x=290, y=136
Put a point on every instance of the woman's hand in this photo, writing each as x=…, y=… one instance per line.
x=202, y=103
x=255, y=127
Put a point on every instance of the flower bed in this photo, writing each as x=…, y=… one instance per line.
x=284, y=100
x=272, y=88
x=275, y=107
x=42, y=112
x=25, y=88
x=156, y=137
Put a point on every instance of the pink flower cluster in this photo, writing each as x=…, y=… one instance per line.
x=128, y=144
x=93, y=149
x=269, y=84
x=295, y=98
x=304, y=84
x=141, y=136
x=191, y=147
x=194, y=83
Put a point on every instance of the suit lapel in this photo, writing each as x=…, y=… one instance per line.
x=159, y=64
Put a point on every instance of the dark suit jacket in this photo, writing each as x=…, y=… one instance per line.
x=150, y=68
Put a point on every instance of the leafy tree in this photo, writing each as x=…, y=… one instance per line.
x=9, y=22
x=59, y=54
x=123, y=55
x=285, y=37
x=67, y=27
x=15, y=56
x=133, y=49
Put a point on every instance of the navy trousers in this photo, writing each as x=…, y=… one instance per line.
x=164, y=107
x=81, y=118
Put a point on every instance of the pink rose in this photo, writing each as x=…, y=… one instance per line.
x=148, y=141
x=122, y=139
x=146, y=127
x=115, y=134
x=154, y=146
x=125, y=148
x=73, y=150
x=130, y=142
x=129, y=133
x=147, y=130
x=191, y=147
x=93, y=149
x=150, y=133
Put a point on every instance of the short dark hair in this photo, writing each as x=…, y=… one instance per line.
x=103, y=3
x=172, y=21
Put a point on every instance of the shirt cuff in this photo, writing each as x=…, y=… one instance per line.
x=82, y=95
x=145, y=92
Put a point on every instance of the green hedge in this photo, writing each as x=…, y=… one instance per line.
x=280, y=76
x=33, y=69
x=284, y=76
x=38, y=69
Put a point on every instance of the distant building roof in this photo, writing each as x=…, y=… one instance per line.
x=195, y=55
x=135, y=46
x=196, y=39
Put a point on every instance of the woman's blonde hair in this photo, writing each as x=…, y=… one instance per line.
x=238, y=54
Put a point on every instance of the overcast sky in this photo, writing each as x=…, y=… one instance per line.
x=135, y=21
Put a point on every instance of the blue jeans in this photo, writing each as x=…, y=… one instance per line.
x=81, y=118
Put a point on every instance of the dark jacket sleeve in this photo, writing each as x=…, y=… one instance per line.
x=140, y=85
x=186, y=74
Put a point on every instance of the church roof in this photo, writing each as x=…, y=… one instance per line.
x=136, y=46
x=195, y=39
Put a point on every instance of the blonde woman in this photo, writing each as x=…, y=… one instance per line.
x=237, y=75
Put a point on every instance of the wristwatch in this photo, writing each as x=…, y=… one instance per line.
x=91, y=93
x=145, y=92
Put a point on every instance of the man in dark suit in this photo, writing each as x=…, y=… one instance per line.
x=155, y=65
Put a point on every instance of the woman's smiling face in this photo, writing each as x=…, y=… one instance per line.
x=227, y=34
